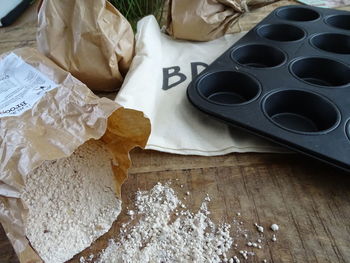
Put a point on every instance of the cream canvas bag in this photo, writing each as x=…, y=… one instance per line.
x=156, y=84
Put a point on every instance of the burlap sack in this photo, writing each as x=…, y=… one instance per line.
x=88, y=38
x=203, y=20
x=65, y=115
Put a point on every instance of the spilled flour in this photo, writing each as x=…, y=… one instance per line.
x=162, y=230
x=161, y=236
x=71, y=202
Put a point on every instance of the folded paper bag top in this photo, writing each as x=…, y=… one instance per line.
x=89, y=38
x=203, y=20
x=52, y=124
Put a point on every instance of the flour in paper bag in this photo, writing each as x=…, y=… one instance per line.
x=71, y=202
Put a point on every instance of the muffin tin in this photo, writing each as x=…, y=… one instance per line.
x=288, y=80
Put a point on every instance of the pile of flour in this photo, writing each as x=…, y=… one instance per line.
x=161, y=230
x=71, y=202
x=166, y=233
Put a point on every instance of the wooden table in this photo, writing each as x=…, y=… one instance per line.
x=310, y=201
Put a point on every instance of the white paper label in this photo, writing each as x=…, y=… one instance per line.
x=21, y=86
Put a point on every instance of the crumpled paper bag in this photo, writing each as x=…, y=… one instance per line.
x=59, y=122
x=203, y=20
x=89, y=38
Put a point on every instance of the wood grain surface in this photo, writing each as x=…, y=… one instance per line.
x=310, y=201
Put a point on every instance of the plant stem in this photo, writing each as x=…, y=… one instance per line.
x=133, y=10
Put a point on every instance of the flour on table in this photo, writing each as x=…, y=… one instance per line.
x=274, y=227
x=259, y=228
x=71, y=202
x=274, y=239
x=158, y=236
x=161, y=230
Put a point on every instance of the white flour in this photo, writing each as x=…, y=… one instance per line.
x=160, y=231
x=71, y=202
x=160, y=236
x=274, y=227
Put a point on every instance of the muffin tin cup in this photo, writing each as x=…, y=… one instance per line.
x=281, y=32
x=321, y=71
x=298, y=14
x=301, y=111
x=332, y=42
x=287, y=80
x=259, y=56
x=228, y=87
x=347, y=129
x=339, y=21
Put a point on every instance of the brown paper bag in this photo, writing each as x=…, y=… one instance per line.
x=88, y=38
x=59, y=122
x=203, y=20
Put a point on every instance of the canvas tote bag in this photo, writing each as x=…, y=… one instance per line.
x=156, y=84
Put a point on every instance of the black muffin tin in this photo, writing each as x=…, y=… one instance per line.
x=288, y=80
